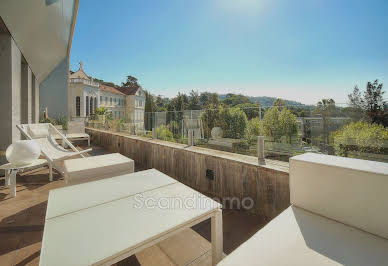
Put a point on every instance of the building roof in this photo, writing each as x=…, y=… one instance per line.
x=79, y=73
x=110, y=89
x=129, y=91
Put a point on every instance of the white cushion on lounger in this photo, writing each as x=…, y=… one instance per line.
x=93, y=168
x=298, y=237
x=38, y=130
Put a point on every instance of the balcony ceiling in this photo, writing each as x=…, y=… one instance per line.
x=42, y=29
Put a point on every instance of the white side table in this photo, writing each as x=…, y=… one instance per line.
x=11, y=171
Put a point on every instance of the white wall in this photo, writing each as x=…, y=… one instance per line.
x=53, y=92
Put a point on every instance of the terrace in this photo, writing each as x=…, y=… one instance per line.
x=22, y=224
x=304, y=199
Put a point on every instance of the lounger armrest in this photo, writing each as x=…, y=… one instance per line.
x=64, y=139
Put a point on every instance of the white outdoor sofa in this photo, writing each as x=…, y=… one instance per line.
x=44, y=134
x=338, y=216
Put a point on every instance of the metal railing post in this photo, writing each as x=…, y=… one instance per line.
x=260, y=150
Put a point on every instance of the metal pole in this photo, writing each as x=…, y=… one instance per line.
x=154, y=136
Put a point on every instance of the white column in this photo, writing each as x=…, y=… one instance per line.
x=35, y=100
x=83, y=102
x=26, y=97
x=217, y=237
x=10, y=90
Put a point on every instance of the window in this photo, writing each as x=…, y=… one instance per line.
x=87, y=105
x=106, y=100
x=100, y=99
x=91, y=106
x=78, y=106
x=110, y=100
x=95, y=104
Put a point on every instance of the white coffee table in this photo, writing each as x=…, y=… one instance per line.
x=105, y=221
x=11, y=171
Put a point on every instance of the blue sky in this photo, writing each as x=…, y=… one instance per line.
x=302, y=50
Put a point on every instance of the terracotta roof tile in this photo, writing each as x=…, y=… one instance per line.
x=128, y=91
x=110, y=89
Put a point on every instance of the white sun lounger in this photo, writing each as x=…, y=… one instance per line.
x=44, y=134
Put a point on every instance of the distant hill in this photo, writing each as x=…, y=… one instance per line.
x=265, y=100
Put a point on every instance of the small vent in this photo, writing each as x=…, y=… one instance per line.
x=210, y=174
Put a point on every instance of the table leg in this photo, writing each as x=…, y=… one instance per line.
x=6, y=180
x=12, y=177
x=217, y=244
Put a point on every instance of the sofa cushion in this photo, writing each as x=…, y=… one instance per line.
x=351, y=191
x=299, y=237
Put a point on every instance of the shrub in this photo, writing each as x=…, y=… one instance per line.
x=100, y=111
x=163, y=133
x=360, y=136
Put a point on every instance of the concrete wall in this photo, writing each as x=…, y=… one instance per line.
x=10, y=90
x=236, y=176
x=26, y=99
x=53, y=92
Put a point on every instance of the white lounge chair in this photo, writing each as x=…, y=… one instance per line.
x=76, y=131
x=44, y=134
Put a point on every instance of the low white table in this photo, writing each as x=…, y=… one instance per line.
x=11, y=171
x=106, y=221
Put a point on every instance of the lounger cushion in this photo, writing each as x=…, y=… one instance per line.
x=93, y=168
x=351, y=191
x=299, y=237
x=38, y=130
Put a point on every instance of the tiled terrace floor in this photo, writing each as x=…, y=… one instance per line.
x=22, y=224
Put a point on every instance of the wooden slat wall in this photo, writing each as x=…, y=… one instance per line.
x=268, y=188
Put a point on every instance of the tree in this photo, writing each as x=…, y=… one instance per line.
x=194, y=101
x=254, y=129
x=279, y=102
x=325, y=108
x=214, y=100
x=233, y=123
x=277, y=124
x=288, y=124
x=250, y=109
x=372, y=102
x=235, y=99
x=149, y=108
x=131, y=82
x=211, y=117
x=271, y=126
